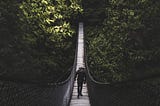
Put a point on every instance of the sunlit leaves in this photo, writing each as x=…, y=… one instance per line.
x=129, y=38
x=37, y=37
x=50, y=18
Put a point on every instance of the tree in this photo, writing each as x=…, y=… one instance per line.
x=44, y=45
x=127, y=44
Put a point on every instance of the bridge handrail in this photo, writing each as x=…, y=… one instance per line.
x=23, y=93
x=57, y=82
x=142, y=91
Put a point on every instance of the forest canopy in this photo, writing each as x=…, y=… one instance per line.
x=125, y=42
x=37, y=38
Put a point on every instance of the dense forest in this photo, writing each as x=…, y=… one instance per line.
x=38, y=38
x=122, y=38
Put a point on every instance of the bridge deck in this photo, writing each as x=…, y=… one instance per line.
x=80, y=53
x=82, y=100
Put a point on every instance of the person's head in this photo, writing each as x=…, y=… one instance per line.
x=81, y=69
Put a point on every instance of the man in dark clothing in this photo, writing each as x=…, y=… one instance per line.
x=81, y=78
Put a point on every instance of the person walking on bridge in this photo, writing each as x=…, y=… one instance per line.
x=81, y=78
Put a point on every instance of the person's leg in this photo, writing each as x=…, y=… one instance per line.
x=81, y=86
x=78, y=89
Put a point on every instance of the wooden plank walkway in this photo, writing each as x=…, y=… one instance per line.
x=82, y=100
x=80, y=53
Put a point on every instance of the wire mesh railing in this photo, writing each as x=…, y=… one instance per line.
x=31, y=94
x=13, y=93
x=138, y=92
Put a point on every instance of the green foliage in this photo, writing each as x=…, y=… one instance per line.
x=128, y=41
x=94, y=11
x=37, y=39
x=46, y=16
x=8, y=40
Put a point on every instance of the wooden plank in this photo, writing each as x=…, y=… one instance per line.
x=80, y=53
x=82, y=100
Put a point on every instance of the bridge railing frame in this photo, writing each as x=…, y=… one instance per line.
x=17, y=93
x=143, y=91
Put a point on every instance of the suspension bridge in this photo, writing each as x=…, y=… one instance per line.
x=84, y=100
x=142, y=92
